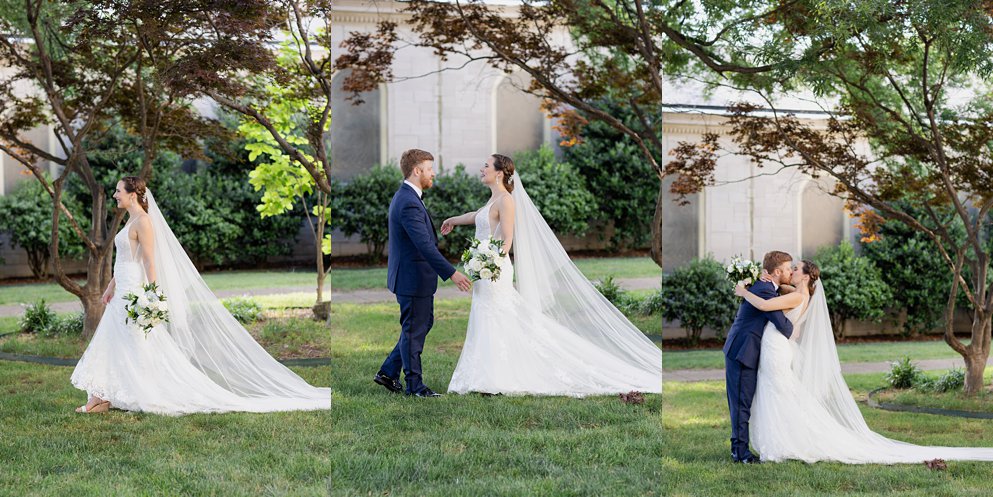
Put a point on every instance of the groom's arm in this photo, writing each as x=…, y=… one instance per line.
x=777, y=318
x=412, y=220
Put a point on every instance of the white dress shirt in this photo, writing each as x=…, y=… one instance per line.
x=416, y=188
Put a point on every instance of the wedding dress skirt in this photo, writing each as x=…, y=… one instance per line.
x=152, y=374
x=512, y=348
x=788, y=422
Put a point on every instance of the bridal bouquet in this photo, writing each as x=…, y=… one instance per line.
x=743, y=271
x=480, y=259
x=146, y=310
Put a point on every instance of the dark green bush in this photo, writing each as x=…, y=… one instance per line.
x=908, y=260
x=625, y=184
x=855, y=287
x=698, y=295
x=903, y=374
x=362, y=206
x=454, y=193
x=557, y=190
x=26, y=214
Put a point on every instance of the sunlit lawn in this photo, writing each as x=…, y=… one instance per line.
x=370, y=443
x=696, y=453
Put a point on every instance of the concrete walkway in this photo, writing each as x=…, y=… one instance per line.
x=691, y=375
x=367, y=296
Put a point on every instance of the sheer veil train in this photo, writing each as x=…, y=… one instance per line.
x=548, y=280
x=818, y=369
x=213, y=340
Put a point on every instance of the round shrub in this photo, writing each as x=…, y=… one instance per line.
x=855, y=286
x=698, y=295
x=557, y=190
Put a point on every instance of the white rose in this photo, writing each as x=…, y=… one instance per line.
x=730, y=268
x=143, y=301
x=485, y=273
x=475, y=265
x=160, y=305
x=747, y=281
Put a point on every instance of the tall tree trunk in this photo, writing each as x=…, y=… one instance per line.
x=977, y=353
x=656, y=251
x=98, y=274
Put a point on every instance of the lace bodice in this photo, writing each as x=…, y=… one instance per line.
x=483, y=229
x=127, y=251
x=128, y=274
x=798, y=314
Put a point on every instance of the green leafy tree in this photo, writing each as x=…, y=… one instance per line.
x=699, y=295
x=86, y=65
x=855, y=287
x=910, y=80
x=284, y=178
x=558, y=191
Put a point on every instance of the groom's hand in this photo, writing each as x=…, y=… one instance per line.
x=461, y=281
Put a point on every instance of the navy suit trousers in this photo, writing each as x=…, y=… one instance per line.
x=416, y=320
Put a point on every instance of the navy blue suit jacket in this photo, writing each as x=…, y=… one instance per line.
x=415, y=263
x=744, y=341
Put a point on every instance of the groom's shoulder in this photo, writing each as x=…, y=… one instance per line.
x=763, y=287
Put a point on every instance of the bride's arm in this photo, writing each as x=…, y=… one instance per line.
x=146, y=241
x=788, y=301
x=109, y=292
x=452, y=222
x=505, y=211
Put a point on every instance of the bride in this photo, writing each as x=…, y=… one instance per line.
x=201, y=360
x=553, y=334
x=802, y=407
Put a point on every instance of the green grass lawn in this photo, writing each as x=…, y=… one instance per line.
x=340, y=279
x=370, y=443
x=695, y=460
x=858, y=352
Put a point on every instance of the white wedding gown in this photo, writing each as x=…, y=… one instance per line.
x=803, y=409
x=158, y=374
x=513, y=348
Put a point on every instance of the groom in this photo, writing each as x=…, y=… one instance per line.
x=412, y=275
x=742, y=348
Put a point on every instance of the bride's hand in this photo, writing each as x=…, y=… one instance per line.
x=766, y=277
x=447, y=226
x=740, y=290
x=107, y=295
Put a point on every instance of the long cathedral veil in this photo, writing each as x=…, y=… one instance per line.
x=548, y=279
x=213, y=340
x=819, y=369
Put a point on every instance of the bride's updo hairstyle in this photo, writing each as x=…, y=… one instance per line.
x=136, y=185
x=505, y=164
x=811, y=269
